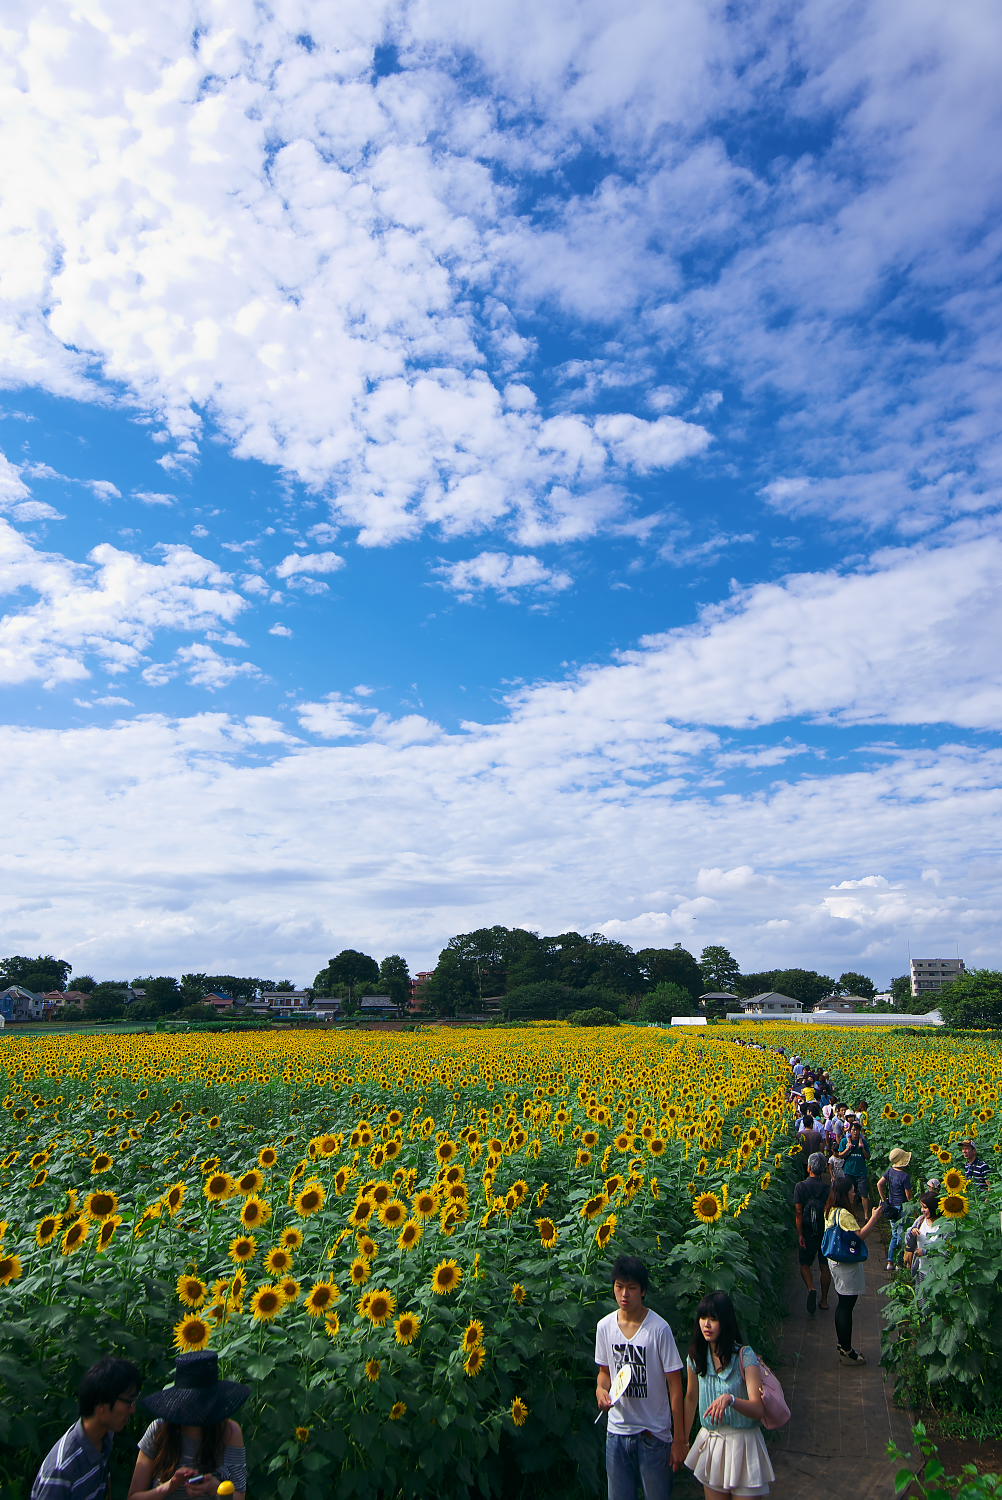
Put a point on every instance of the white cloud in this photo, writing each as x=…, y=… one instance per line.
x=107, y=610
x=154, y=497
x=501, y=573
x=282, y=630
x=309, y=562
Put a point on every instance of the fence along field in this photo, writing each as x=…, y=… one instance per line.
x=401, y=1241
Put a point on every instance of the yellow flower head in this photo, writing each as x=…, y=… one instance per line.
x=446, y=1277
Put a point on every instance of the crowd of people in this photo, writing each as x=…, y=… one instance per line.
x=835, y=1193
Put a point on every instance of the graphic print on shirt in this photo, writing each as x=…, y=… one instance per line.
x=636, y=1358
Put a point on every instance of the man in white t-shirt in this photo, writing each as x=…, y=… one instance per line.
x=646, y=1439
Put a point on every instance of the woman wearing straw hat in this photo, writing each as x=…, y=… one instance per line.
x=895, y=1189
x=192, y=1444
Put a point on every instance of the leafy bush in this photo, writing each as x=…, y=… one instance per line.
x=931, y=1481
x=594, y=1017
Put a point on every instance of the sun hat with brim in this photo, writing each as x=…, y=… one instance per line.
x=899, y=1158
x=198, y=1397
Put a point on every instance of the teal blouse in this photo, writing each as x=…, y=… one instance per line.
x=729, y=1379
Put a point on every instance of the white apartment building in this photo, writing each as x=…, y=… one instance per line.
x=930, y=974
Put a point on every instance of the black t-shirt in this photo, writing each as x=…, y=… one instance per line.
x=813, y=1190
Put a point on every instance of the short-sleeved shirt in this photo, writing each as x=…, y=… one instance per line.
x=232, y=1465
x=899, y=1182
x=977, y=1171
x=74, y=1469
x=721, y=1382
x=812, y=1190
x=651, y=1354
x=854, y=1164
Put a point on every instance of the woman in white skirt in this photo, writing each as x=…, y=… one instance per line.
x=729, y=1456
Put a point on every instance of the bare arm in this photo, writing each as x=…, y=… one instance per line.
x=691, y=1399
x=603, y=1386
x=680, y=1438
x=142, y=1486
x=748, y=1405
x=872, y=1222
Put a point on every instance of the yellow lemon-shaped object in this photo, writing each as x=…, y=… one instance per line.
x=226, y=1488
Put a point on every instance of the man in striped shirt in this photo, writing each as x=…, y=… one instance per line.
x=77, y=1467
x=977, y=1167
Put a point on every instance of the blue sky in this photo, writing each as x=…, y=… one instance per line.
x=537, y=466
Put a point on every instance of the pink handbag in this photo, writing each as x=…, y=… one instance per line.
x=777, y=1413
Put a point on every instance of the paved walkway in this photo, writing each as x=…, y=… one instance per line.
x=835, y=1446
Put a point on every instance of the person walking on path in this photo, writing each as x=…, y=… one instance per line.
x=729, y=1456
x=849, y=1277
x=76, y=1468
x=977, y=1167
x=925, y=1230
x=809, y=1200
x=894, y=1190
x=854, y=1155
x=646, y=1441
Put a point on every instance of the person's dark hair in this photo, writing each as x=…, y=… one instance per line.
x=715, y=1305
x=104, y=1382
x=631, y=1268
x=167, y=1453
x=930, y=1201
x=841, y=1194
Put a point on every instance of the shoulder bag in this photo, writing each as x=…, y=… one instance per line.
x=777, y=1413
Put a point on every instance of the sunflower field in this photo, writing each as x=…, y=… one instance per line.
x=926, y=1092
x=401, y=1241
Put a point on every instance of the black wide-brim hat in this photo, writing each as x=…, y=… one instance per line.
x=198, y=1397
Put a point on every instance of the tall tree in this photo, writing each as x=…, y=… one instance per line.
x=718, y=968
x=40, y=974
x=349, y=968
x=395, y=979
x=666, y=1001
x=671, y=966
x=901, y=992
x=974, y=1000
x=851, y=983
x=163, y=991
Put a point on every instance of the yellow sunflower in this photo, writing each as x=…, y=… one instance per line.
x=191, y=1334
x=101, y=1163
x=953, y=1206
x=446, y=1277
x=475, y=1360
x=291, y=1239
x=192, y=1290
x=174, y=1197
x=378, y=1305
x=267, y=1157
x=290, y=1288
x=548, y=1233
x=278, y=1260
x=708, y=1208
x=219, y=1186
x=11, y=1269
x=519, y=1412
x=75, y=1236
x=373, y=1369
x=332, y=1325
x=359, y=1271
x=519, y=1293
x=473, y=1334
x=410, y=1235
x=255, y=1212
x=46, y=1230
x=406, y=1328
x=321, y=1296
x=398, y=1410
x=311, y=1200
x=242, y=1249
x=266, y=1303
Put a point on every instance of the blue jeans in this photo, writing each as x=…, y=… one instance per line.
x=899, y=1228
x=638, y=1464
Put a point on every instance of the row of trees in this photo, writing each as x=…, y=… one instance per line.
x=532, y=976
